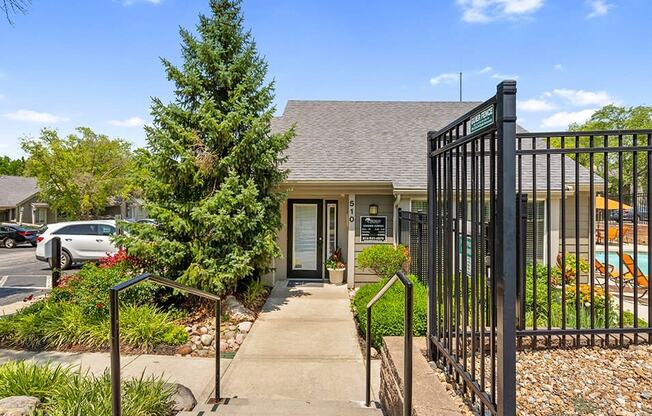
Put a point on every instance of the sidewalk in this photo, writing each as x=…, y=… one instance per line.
x=303, y=346
x=193, y=372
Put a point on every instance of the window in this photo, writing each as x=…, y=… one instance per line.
x=331, y=224
x=41, y=215
x=419, y=206
x=106, y=229
x=78, y=229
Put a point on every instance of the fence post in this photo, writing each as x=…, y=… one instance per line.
x=505, y=262
x=56, y=261
x=116, y=400
x=432, y=352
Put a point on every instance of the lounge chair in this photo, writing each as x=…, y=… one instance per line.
x=612, y=235
x=633, y=270
x=609, y=274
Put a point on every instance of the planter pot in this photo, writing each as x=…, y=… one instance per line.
x=336, y=276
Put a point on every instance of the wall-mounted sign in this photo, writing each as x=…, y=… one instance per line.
x=481, y=119
x=373, y=228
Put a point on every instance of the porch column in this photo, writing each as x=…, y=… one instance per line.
x=350, y=257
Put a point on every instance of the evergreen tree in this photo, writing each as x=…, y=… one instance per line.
x=211, y=170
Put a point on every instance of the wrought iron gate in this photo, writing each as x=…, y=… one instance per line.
x=471, y=269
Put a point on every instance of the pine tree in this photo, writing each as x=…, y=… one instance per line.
x=211, y=170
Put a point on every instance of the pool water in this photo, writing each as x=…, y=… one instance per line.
x=614, y=259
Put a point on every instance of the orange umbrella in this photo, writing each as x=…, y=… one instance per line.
x=602, y=203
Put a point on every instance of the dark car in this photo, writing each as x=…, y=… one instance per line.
x=628, y=215
x=11, y=235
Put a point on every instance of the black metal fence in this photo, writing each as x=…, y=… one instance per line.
x=472, y=218
x=538, y=240
x=586, y=279
x=413, y=233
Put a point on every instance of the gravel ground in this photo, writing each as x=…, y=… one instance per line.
x=584, y=381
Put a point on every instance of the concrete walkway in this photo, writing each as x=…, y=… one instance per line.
x=193, y=372
x=303, y=346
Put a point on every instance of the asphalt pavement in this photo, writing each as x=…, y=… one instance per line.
x=22, y=275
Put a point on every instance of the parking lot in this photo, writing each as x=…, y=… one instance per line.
x=21, y=274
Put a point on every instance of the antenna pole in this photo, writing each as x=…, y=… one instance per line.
x=460, y=86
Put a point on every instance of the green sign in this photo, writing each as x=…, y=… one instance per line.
x=482, y=119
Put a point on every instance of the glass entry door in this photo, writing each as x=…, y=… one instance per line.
x=305, y=241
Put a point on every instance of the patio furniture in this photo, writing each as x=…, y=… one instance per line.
x=633, y=270
x=609, y=273
x=612, y=234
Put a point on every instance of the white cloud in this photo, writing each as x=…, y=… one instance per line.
x=129, y=122
x=130, y=2
x=564, y=118
x=445, y=78
x=485, y=70
x=534, y=105
x=559, y=67
x=481, y=11
x=500, y=76
x=581, y=97
x=35, y=117
x=598, y=8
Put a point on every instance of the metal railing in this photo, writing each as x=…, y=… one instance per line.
x=413, y=233
x=115, y=331
x=408, y=324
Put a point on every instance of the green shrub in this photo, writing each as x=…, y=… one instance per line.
x=383, y=259
x=64, y=325
x=90, y=288
x=64, y=391
x=388, y=313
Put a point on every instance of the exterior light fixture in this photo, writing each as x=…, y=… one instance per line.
x=373, y=209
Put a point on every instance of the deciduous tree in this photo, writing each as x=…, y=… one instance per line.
x=78, y=174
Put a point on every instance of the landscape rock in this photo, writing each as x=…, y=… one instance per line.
x=244, y=326
x=239, y=339
x=18, y=405
x=206, y=339
x=223, y=346
x=374, y=353
x=182, y=397
x=237, y=311
x=184, y=349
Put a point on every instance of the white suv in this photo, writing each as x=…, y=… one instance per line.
x=80, y=241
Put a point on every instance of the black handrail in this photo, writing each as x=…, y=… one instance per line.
x=407, y=359
x=115, y=331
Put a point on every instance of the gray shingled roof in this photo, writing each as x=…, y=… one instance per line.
x=376, y=141
x=15, y=189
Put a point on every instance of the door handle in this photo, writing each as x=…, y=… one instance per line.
x=99, y=240
x=68, y=239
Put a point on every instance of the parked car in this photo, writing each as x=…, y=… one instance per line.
x=12, y=235
x=628, y=214
x=81, y=241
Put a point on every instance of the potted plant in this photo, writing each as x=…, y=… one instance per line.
x=336, y=267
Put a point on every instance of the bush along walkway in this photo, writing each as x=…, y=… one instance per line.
x=196, y=374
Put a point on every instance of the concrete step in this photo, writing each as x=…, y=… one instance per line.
x=260, y=407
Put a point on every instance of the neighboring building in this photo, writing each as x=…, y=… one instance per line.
x=352, y=165
x=19, y=202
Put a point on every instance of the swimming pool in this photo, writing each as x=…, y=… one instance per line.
x=614, y=259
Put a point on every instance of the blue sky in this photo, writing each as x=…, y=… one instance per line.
x=96, y=63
